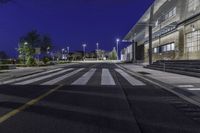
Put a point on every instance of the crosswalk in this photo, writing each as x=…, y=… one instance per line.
x=106, y=78
x=76, y=77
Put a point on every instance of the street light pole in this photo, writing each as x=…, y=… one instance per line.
x=97, y=50
x=24, y=54
x=84, y=45
x=68, y=51
x=117, y=42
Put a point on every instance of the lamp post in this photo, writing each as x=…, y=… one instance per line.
x=24, y=52
x=97, y=44
x=117, y=43
x=84, y=45
x=68, y=51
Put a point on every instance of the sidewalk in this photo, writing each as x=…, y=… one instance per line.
x=186, y=85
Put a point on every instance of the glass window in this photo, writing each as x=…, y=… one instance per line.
x=173, y=46
x=155, y=50
x=169, y=47
x=174, y=12
x=193, y=41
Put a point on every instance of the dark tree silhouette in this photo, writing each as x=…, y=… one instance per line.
x=3, y=55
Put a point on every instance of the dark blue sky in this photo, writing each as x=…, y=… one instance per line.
x=70, y=22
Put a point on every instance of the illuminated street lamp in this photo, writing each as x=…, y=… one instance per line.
x=117, y=42
x=25, y=43
x=24, y=53
x=84, y=45
x=97, y=44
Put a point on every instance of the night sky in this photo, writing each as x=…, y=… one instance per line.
x=69, y=22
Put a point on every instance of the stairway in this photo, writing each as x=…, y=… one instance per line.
x=185, y=67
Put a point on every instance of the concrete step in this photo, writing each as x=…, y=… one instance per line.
x=179, y=65
x=182, y=68
x=188, y=73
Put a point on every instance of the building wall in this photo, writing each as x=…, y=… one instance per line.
x=192, y=40
x=174, y=21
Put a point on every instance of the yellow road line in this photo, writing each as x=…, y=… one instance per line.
x=27, y=105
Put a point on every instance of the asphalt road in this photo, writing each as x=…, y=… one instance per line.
x=92, y=98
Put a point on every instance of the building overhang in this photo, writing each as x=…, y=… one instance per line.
x=143, y=22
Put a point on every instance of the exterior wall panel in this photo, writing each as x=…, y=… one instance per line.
x=172, y=22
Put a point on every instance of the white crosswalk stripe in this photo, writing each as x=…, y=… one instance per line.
x=56, y=76
x=185, y=86
x=129, y=78
x=31, y=76
x=106, y=78
x=85, y=78
x=42, y=77
x=193, y=89
x=54, y=81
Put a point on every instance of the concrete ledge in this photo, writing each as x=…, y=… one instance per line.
x=7, y=66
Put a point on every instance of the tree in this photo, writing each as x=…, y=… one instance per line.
x=28, y=45
x=113, y=54
x=3, y=55
x=46, y=44
x=26, y=53
x=33, y=39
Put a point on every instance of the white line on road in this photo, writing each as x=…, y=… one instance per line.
x=129, y=78
x=85, y=78
x=54, y=81
x=106, y=78
x=193, y=89
x=43, y=77
x=30, y=76
x=185, y=86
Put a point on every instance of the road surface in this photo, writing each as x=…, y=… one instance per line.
x=92, y=98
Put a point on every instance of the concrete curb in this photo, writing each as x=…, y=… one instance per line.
x=193, y=100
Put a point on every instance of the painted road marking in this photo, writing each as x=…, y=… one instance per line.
x=185, y=86
x=43, y=77
x=54, y=81
x=27, y=105
x=193, y=89
x=106, y=78
x=83, y=80
x=129, y=78
x=31, y=76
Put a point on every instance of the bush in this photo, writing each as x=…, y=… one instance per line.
x=45, y=60
x=30, y=62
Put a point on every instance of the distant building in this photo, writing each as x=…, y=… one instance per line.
x=127, y=54
x=175, y=34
